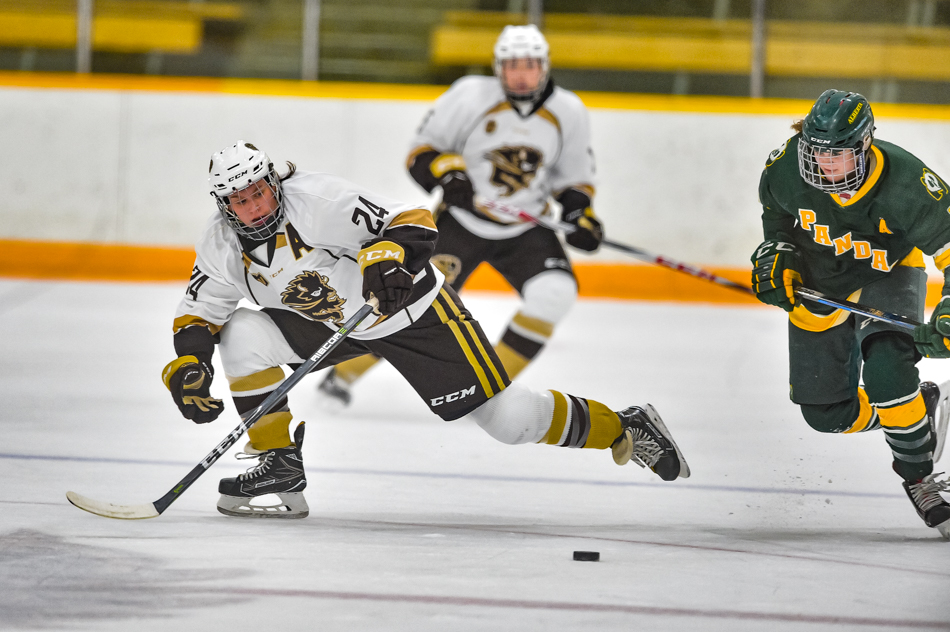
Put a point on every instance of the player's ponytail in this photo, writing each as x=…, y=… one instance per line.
x=291, y=170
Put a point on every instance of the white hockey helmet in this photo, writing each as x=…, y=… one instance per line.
x=522, y=42
x=238, y=167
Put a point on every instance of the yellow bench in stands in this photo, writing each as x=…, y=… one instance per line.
x=119, y=26
x=796, y=49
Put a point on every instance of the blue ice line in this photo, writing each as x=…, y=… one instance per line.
x=487, y=477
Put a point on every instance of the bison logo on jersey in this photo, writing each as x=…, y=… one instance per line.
x=450, y=265
x=514, y=168
x=310, y=295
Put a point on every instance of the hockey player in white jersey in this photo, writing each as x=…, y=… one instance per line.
x=307, y=249
x=518, y=139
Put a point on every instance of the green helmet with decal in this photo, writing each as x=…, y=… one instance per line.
x=836, y=135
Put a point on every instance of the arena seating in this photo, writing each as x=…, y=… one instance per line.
x=697, y=45
x=128, y=26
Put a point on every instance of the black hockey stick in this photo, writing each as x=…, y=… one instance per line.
x=856, y=308
x=491, y=207
x=155, y=509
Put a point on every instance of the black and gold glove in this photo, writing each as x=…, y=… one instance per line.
x=588, y=233
x=189, y=381
x=390, y=283
x=776, y=273
x=385, y=276
x=457, y=190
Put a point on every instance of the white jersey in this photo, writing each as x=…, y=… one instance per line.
x=518, y=161
x=310, y=266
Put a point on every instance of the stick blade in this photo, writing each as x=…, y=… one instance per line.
x=108, y=510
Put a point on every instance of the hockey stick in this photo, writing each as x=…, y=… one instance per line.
x=155, y=509
x=643, y=255
x=493, y=206
x=856, y=308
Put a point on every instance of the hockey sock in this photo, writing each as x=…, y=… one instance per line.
x=249, y=391
x=581, y=423
x=271, y=431
x=867, y=419
x=351, y=370
x=522, y=341
x=907, y=430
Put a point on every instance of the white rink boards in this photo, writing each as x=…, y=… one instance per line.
x=422, y=525
x=129, y=166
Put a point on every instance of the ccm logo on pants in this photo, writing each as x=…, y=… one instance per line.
x=442, y=399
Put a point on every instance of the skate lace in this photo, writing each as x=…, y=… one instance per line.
x=926, y=494
x=256, y=470
x=646, y=451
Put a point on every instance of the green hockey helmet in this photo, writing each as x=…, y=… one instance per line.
x=836, y=135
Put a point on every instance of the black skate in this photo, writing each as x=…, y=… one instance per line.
x=930, y=505
x=937, y=401
x=335, y=392
x=280, y=472
x=647, y=442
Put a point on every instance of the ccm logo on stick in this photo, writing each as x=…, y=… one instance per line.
x=451, y=397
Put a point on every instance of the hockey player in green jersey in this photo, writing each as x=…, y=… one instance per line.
x=852, y=216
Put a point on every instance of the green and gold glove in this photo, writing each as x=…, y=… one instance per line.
x=776, y=272
x=931, y=338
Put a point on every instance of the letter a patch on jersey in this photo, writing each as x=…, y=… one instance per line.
x=882, y=228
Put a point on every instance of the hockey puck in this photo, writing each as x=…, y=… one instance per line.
x=586, y=556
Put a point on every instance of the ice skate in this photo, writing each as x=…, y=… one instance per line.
x=648, y=443
x=937, y=400
x=280, y=472
x=930, y=505
x=334, y=392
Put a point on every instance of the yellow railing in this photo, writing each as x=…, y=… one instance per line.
x=801, y=49
x=131, y=26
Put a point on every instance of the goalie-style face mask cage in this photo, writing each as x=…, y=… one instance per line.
x=836, y=136
x=247, y=190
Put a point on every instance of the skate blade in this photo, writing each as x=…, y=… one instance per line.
x=658, y=422
x=291, y=506
x=944, y=529
x=941, y=418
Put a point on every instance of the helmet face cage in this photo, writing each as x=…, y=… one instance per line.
x=811, y=158
x=243, y=167
x=269, y=225
x=522, y=42
x=835, y=138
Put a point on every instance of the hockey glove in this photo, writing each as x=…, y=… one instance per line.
x=390, y=283
x=588, y=231
x=189, y=381
x=457, y=190
x=931, y=339
x=776, y=273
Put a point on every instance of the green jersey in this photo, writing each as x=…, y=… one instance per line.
x=848, y=242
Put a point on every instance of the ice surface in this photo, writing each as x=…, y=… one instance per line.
x=421, y=525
